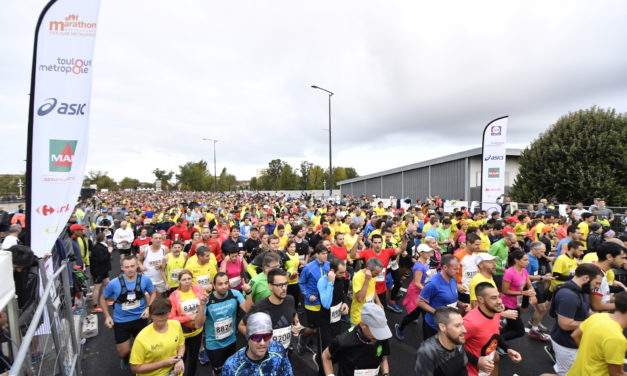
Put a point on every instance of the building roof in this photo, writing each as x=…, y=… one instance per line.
x=447, y=158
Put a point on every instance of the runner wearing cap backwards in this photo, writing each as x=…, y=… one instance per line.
x=261, y=356
x=364, y=350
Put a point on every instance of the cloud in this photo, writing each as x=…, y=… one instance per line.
x=411, y=80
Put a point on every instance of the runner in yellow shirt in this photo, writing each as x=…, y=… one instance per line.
x=565, y=264
x=175, y=264
x=364, y=288
x=203, y=266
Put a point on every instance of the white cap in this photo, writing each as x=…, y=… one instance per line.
x=423, y=248
x=483, y=257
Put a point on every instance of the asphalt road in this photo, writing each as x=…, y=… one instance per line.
x=100, y=359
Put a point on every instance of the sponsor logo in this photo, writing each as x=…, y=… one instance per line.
x=53, y=229
x=67, y=66
x=46, y=210
x=64, y=108
x=495, y=130
x=58, y=179
x=490, y=157
x=72, y=25
x=494, y=172
x=62, y=155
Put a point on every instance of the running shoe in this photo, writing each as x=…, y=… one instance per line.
x=394, y=307
x=540, y=336
x=203, y=358
x=399, y=333
x=549, y=351
x=540, y=326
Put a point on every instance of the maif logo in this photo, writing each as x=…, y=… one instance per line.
x=62, y=155
x=64, y=108
x=72, y=25
x=494, y=172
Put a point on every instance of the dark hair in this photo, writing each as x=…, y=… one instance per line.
x=481, y=287
x=443, y=314
x=276, y=272
x=585, y=216
x=320, y=248
x=572, y=229
x=269, y=258
x=22, y=255
x=128, y=258
x=335, y=263
x=233, y=228
x=590, y=270
x=515, y=254
x=620, y=301
x=100, y=237
x=472, y=237
x=200, y=251
x=326, y=231
x=376, y=236
x=160, y=306
x=608, y=248
x=219, y=274
x=231, y=250
x=574, y=244
x=178, y=242
x=446, y=221
x=447, y=259
x=296, y=229
x=289, y=243
x=183, y=272
x=280, y=227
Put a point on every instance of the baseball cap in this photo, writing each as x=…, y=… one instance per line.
x=373, y=316
x=76, y=227
x=483, y=257
x=423, y=248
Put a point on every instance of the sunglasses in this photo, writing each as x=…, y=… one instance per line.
x=259, y=337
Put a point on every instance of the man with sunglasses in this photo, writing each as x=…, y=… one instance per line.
x=280, y=306
x=261, y=356
x=364, y=349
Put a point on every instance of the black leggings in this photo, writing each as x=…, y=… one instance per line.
x=513, y=328
x=294, y=290
x=396, y=276
x=190, y=358
x=410, y=317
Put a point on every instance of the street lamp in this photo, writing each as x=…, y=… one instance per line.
x=215, y=171
x=330, y=158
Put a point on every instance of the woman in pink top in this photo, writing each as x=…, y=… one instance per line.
x=516, y=286
x=234, y=265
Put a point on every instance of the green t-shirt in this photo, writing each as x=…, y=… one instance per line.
x=259, y=287
x=501, y=251
x=442, y=236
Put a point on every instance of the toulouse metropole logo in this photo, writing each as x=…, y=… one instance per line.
x=61, y=155
x=72, y=25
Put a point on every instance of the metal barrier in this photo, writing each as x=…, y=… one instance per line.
x=51, y=345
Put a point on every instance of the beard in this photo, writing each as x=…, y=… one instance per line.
x=586, y=288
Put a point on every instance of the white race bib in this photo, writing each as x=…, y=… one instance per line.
x=155, y=262
x=336, y=313
x=394, y=264
x=203, y=280
x=224, y=328
x=381, y=276
x=283, y=335
x=452, y=305
x=491, y=357
x=367, y=372
x=301, y=257
x=174, y=274
x=131, y=302
x=370, y=299
x=190, y=307
x=235, y=281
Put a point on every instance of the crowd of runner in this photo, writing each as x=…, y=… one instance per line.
x=197, y=269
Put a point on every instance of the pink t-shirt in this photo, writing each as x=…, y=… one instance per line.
x=516, y=283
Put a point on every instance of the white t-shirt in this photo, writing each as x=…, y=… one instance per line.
x=469, y=269
x=9, y=242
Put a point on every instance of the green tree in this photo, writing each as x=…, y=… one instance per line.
x=288, y=179
x=253, y=184
x=305, y=169
x=351, y=173
x=226, y=181
x=271, y=175
x=581, y=156
x=164, y=177
x=8, y=185
x=194, y=176
x=129, y=183
x=101, y=179
x=316, y=178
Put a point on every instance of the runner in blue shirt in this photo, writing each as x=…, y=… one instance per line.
x=219, y=317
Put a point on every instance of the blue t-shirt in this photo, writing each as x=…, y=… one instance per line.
x=423, y=268
x=432, y=232
x=438, y=293
x=533, y=266
x=221, y=323
x=129, y=311
x=559, y=245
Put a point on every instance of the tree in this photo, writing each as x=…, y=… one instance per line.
x=270, y=176
x=288, y=179
x=164, y=177
x=581, y=156
x=253, y=184
x=101, y=179
x=129, y=183
x=8, y=184
x=226, y=182
x=194, y=176
x=305, y=168
x=351, y=173
x=316, y=178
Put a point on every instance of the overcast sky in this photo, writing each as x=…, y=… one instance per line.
x=412, y=80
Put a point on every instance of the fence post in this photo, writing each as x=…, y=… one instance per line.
x=15, y=330
x=70, y=317
x=54, y=322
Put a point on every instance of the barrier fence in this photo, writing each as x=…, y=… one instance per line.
x=51, y=345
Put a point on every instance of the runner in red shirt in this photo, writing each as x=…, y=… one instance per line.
x=384, y=255
x=483, y=334
x=175, y=232
x=210, y=239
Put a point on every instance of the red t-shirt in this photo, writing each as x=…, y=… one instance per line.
x=175, y=232
x=212, y=244
x=481, y=336
x=339, y=252
x=138, y=242
x=385, y=255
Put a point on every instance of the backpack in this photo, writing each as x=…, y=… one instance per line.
x=123, y=297
x=565, y=285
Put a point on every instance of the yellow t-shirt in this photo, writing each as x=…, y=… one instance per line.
x=564, y=265
x=315, y=220
x=203, y=274
x=380, y=211
x=539, y=228
x=173, y=268
x=477, y=279
x=190, y=304
x=519, y=229
x=377, y=231
x=485, y=242
x=602, y=343
x=358, y=282
x=344, y=229
x=291, y=266
x=151, y=346
x=584, y=229
x=349, y=242
x=283, y=241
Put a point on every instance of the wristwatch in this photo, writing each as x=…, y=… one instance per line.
x=178, y=357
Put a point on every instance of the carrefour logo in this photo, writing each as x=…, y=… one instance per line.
x=77, y=109
x=62, y=155
x=494, y=157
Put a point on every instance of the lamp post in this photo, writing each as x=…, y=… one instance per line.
x=330, y=157
x=215, y=171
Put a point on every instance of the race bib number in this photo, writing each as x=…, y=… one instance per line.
x=155, y=262
x=394, y=264
x=301, y=257
x=131, y=302
x=235, y=281
x=283, y=335
x=240, y=245
x=203, y=280
x=381, y=276
x=367, y=372
x=223, y=329
x=190, y=307
x=452, y=305
x=491, y=357
x=336, y=313
x=174, y=274
x=370, y=299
